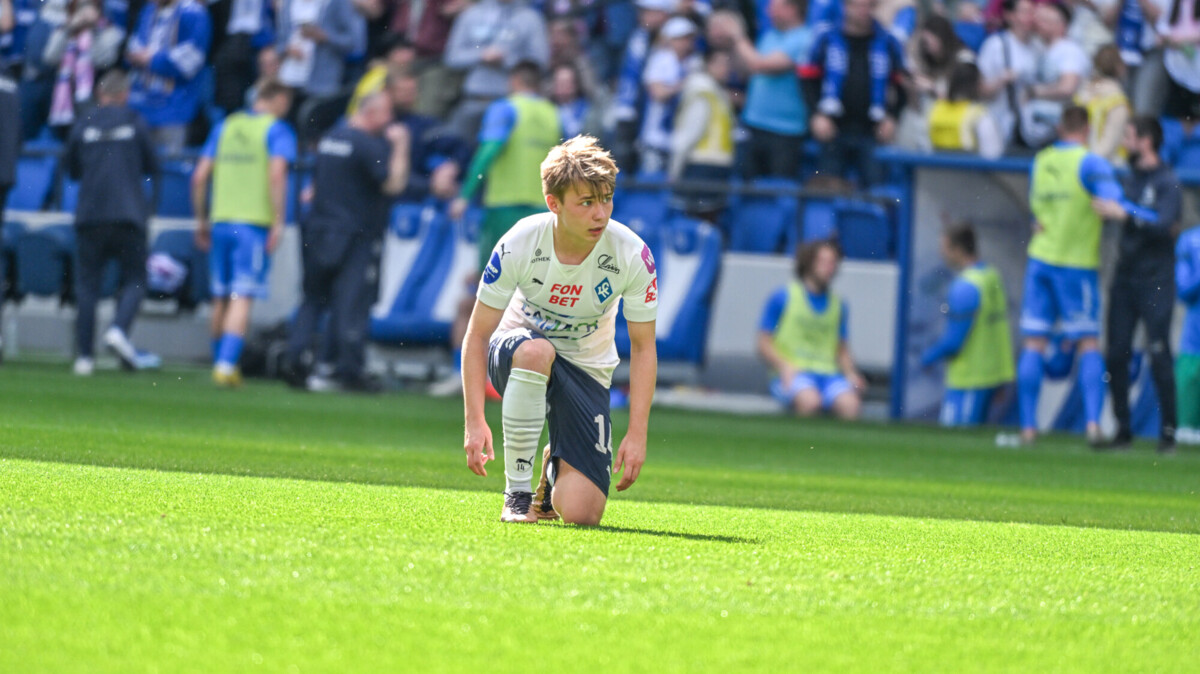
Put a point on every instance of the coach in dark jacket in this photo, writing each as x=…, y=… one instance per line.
x=1143, y=288
x=111, y=154
x=10, y=136
x=360, y=168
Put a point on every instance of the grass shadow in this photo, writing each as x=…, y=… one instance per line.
x=704, y=538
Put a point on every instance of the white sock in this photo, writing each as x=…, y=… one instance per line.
x=524, y=414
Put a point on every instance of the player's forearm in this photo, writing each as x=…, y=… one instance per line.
x=398, y=172
x=474, y=371
x=279, y=193
x=200, y=191
x=768, y=352
x=643, y=376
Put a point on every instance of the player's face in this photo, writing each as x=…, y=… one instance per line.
x=582, y=213
x=825, y=267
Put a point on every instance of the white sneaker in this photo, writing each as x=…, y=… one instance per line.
x=319, y=384
x=448, y=387
x=84, y=367
x=120, y=345
x=130, y=357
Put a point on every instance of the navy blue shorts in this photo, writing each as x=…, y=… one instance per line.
x=577, y=409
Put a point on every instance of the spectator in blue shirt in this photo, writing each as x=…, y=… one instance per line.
x=775, y=114
x=166, y=53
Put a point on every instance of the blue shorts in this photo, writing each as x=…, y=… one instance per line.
x=966, y=407
x=830, y=386
x=238, y=262
x=577, y=409
x=1069, y=297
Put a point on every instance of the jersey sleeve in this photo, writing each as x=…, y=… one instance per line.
x=498, y=122
x=641, y=295
x=500, y=276
x=210, y=145
x=773, y=311
x=281, y=142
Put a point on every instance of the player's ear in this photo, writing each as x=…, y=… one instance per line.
x=552, y=203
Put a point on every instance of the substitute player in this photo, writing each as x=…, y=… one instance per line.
x=543, y=331
x=803, y=337
x=976, y=342
x=1061, y=280
x=247, y=157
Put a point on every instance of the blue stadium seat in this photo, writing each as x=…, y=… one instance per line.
x=818, y=221
x=175, y=189
x=864, y=230
x=35, y=180
x=1188, y=154
x=68, y=198
x=641, y=210
x=44, y=261
x=420, y=249
x=761, y=223
x=1173, y=137
x=971, y=33
x=687, y=255
x=180, y=244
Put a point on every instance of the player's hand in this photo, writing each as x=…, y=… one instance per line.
x=1108, y=209
x=823, y=128
x=630, y=457
x=477, y=443
x=202, y=236
x=397, y=135
x=444, y=181
x=274, y=237
x=885, y=131
x=858, y=381
x=457, y=208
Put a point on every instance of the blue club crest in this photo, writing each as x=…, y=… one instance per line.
x=604, y=290
x=492, y=273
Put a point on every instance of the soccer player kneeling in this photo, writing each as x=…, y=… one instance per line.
x=543, y=331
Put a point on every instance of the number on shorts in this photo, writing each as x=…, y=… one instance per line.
x=604, y=444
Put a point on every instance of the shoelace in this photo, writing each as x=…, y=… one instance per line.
x=518, y=502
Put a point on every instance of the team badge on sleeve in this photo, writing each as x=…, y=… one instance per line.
x=648, y=259
x=492, y=273
x=652, y=291
x=604, y=290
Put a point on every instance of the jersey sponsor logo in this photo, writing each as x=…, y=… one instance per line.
x=606, y=263
x=555, y=326
x=604, y=290
x=492, y=273
x=538, y=257
x=648, y=259
x=503, y=251
x=565, y=295
x=652, y=291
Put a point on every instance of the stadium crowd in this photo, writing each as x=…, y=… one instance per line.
x=680, y=90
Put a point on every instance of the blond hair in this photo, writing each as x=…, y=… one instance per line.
x=581, y=162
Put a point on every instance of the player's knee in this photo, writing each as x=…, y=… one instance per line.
x=1035, y=344
x=1089, y=344
x=583, y=518
x=847, y=406
x=535, y=354
x=807, y=404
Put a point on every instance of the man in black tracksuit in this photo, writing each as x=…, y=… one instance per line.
x=360, y=167
x=1143, y=288
x=111, y=154
x=10, y=148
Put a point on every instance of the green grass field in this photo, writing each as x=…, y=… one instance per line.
x=154, y=524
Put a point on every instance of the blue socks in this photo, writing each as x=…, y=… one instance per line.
x=229, y=350
x=1029, y=385
x=1091, y=382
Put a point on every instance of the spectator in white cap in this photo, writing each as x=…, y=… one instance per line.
x=630, y=100
x=666, y=69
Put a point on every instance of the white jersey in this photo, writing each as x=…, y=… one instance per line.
x=573, y=305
